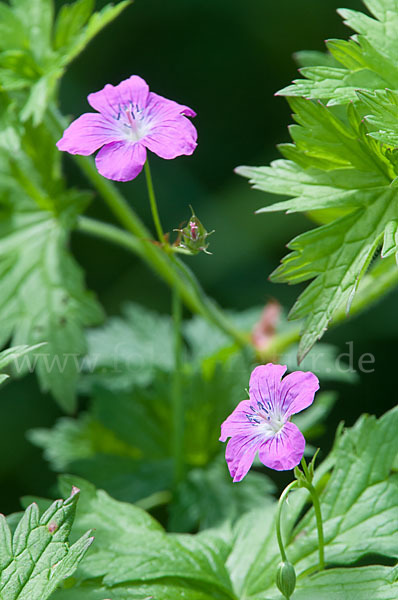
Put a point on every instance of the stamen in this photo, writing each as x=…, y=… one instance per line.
x=253, y=420
x=131, y=118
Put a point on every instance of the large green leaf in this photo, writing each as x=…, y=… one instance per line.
x=334, y=166
x=43, y=299
x=378, y=583
x=43, y=296
x=129, y=350
x=366, y=61
x=35, y=560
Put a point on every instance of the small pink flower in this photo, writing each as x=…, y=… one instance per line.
x=130, y=120
x=262, y=424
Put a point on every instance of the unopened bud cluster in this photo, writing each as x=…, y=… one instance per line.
x=193, y=237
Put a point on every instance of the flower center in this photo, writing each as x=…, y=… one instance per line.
x=269, y=418
x=131, y=120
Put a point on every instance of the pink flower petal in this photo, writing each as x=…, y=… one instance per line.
x=283, y=451
x=109, y=100
x=265, y=382
x=240, y=453
x=121, y=161
x=86, y=134
x=169, y=133
x=174, y=139
x=179, y=108
x=297, y=391
x=237, y=422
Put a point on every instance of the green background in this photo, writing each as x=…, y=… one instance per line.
x=225, y=59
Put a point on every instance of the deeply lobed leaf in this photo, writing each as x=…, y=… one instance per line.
x=38, y=556
x=42, y=292
x=336, y=168
x=366, y=61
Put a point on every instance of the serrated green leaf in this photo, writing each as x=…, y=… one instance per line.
x=43, y=299
x=128, y=350
x=38, y=557
x=367, y=60
x=380, y=31
x=383, y=116
x=390, y=245
x=334, y=166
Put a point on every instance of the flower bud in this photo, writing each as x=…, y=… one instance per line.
x=286, y=579
x=193, y=236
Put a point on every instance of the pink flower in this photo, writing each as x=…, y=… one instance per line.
x=262, y=424
x=130, y=120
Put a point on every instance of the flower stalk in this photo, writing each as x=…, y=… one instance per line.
x=306, y=482
x=286, y=576
x=153, y=203
x=282, y=499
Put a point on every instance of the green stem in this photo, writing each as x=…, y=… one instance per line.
x=282, y=498
x=169, y=268
x=177, y=396
x=318, y=514
x=153, y=203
